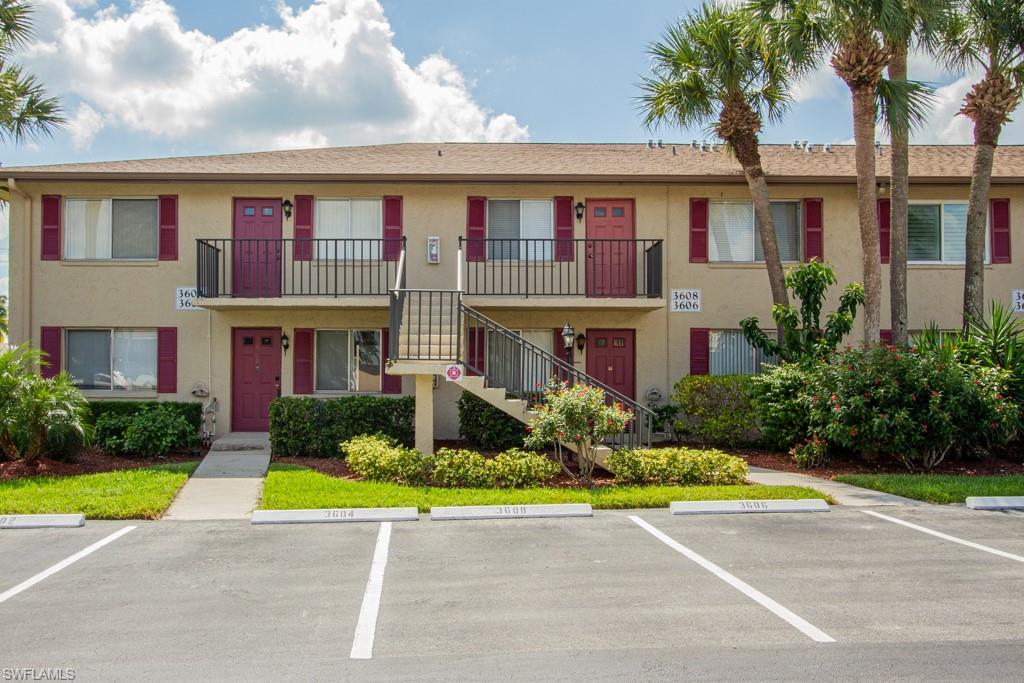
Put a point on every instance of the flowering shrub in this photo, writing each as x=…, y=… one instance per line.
x=576, y=414
x=685, y=466
x=915, y=406
x=811, y=453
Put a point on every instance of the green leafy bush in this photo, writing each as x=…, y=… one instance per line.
x=305, y=426
x=484, y=426
x=379, y=458
x=462, y=468
x=110, y=429
x=517, y=468
x=917, y=407
x=684, y=466
x=715, y=410
x=158, y=431
x=781, y=414
x=190, y=410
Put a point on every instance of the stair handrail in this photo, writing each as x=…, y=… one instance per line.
x=643, y=416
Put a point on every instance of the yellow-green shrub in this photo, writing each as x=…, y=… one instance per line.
x=462, y=468
x=516, y=468
x=685, y=466
x=378, y=458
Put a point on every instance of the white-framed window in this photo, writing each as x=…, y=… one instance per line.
x=937, y=232
x=524, y=227
x=110, y=229
x=513, y=365
x=357, y=224
x=112, y=359
x=347, y=360
x=732, y=354
x=733, y=236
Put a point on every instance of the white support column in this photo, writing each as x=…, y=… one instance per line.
x=425, y=414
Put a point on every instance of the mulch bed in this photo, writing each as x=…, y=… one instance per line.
x=88, y=461
x=1010, y=463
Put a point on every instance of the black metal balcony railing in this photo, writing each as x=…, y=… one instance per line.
x=251, y=267
x=600, y=268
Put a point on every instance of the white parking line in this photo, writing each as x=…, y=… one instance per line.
x=28, y=583
x=798, y=622
x=947, y=537
x=362, y=644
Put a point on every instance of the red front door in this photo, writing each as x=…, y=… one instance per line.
x=257, y=249
x=255, y=377
x=611, y=251
x=611, y=358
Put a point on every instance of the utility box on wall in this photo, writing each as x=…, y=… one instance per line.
x=433, y=249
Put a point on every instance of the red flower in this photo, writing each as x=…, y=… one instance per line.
x=924, y=427
x=853, y=431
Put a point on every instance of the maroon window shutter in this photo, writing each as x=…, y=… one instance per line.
x=167, y=360
x=698, y=230
x=475, y=347
x=885, y=336
x=700, y=350
x=51, y=227
x=563, y=229
x=302, y=361
x=168, y=212
x=814, y=235
x=303, y=247
x=392, y=228
x=999, y=210
x=476, y=228
x=884, y=221
x=49, y=343
x=389, y=384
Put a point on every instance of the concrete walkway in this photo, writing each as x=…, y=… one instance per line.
x=226, y=485
x=844, y=494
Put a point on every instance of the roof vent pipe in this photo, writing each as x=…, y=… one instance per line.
x=673, y=150
x=650, y=144
x=828, y=147
x=693, y=144
x=809, y=148
x=661, y=145
x=796, y=144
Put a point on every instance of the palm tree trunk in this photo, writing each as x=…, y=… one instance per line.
x=750, y=159
x=898, y=204
x=977, y=212
x=867, y=210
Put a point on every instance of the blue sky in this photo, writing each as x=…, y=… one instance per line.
x=143, y=78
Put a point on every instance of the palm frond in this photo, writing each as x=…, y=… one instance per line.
x=904, y=105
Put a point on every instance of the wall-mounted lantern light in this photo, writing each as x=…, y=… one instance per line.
x=287, y=207
x=581, y=341
x=580, y=208
x=285, y=343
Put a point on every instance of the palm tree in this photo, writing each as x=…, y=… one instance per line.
x=26, y=111
x=987, y=35
x=925, y=17
x=711, y=70
x=855, y=34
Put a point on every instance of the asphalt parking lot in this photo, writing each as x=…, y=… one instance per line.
x=620, y=596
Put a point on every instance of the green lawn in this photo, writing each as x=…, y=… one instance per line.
x=939, y=488
x=124, y=494
x=289, y=487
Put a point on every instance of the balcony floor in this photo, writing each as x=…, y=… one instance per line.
x=293, y=302
x=575, y=302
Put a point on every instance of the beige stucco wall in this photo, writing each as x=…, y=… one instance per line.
x=142, y=294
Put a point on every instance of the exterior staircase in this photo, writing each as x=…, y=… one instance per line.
x=432, y=329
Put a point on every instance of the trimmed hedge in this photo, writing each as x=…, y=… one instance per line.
x=305, y=426
x=484, y=426
x=716, y=410
x=683, y=466
x=377, y=458
x=190, y=410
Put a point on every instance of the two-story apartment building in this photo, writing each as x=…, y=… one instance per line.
x=241, y=277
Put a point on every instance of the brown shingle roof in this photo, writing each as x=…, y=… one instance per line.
x=531, y=161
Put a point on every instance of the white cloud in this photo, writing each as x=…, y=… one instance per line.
x=821, y=83
x=84, y=126
x=330, y=74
